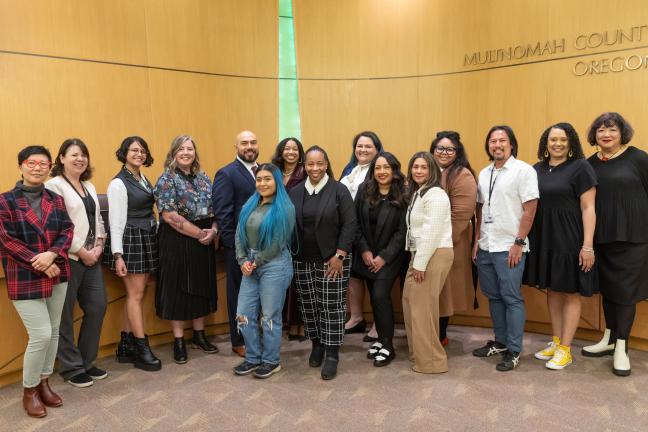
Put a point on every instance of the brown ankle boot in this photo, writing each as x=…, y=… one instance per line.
x=32, y=403
x=47, y=396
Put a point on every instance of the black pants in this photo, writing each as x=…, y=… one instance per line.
x=234, y=277
x=380, y=291
x=619, y=319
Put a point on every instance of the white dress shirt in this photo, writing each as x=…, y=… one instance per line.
x=315, y=189
x=249, y=166
x=509, y=187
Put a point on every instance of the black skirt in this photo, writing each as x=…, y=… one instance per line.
x=186, y=282
x=140, y=250
x=623, y=270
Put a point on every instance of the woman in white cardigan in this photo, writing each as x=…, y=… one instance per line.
x=71, y=173
x=429, y=239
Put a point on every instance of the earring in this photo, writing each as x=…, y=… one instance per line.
x=570, y=154
x=546, y=153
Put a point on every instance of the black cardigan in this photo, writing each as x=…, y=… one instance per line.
x=336, y=219
x=388, y=241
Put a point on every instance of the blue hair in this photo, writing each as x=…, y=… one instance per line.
x=354, y=160
x=279, y=222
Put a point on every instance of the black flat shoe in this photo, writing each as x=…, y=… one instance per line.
x=368, y=338
x=179, y=350
x=358, y=328
x=316, y=356
x=384, y=357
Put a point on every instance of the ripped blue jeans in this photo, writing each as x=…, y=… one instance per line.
x=262, y=297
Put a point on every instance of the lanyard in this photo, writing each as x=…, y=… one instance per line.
x=491, y=184
x=409, y=211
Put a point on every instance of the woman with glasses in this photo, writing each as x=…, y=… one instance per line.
x=71, y=179
x=35, y=235
x=458, y=180
x=133, y=250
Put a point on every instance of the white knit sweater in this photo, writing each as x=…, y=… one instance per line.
x=429, y=224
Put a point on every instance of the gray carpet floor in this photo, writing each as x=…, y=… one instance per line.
x=204, y=395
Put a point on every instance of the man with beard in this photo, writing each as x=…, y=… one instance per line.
x=506, y=204
x=233, y=185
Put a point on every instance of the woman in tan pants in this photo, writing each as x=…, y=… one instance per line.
x=429, y=239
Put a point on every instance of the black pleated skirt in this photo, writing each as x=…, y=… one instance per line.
x=186, y=282
x=623, y=272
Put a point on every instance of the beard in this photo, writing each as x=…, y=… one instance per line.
x=249, y=156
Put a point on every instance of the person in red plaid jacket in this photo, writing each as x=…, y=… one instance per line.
x=35, y=235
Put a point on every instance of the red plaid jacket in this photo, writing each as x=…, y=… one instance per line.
x=22, y=236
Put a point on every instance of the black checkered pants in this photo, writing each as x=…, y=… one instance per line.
x=322, y=302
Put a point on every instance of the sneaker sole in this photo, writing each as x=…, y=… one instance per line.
x=80, y=385
x=553, y=366
x=99, y=377
x=597, y=354
x=542, y=357
x=247, y=372
x=622, y=372
x=264, y=376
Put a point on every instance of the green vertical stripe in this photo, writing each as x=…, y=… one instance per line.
x=289, y=120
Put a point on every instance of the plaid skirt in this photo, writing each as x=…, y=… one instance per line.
x=140, y=250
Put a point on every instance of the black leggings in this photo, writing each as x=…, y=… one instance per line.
x=619, y=319
x=443, y=327
x=383, y=310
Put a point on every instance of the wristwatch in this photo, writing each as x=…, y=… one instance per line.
x=339, y=256
x=520, y=241
x=117, y=255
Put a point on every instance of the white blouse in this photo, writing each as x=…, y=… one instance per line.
x=428, y=225
x=355, y=178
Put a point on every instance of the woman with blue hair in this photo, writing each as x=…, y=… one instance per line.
x=263, y=234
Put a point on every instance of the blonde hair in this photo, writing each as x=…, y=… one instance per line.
x=170, y=162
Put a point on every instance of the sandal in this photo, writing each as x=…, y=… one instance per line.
x=374, y=350
x=384, y=357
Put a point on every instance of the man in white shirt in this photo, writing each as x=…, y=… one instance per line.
x=233, y=185
x=506, y=204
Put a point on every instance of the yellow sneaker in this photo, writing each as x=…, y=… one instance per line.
x=548, y=353
x=561, y=359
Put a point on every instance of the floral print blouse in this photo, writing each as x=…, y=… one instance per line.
x=188, y=195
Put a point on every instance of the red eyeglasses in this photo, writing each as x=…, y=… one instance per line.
x=31, y=164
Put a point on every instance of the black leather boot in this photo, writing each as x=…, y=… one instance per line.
x=199, y=341
x=179, y=350
x=317, y=354
x=125, y=348
x=144, y=358
x=329, y=370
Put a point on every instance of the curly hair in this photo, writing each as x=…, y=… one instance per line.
x=572, y=137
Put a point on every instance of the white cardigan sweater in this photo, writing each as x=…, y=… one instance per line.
x=77, y=213
x=429, y=224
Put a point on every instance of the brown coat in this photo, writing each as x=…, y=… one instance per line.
x=458, y=293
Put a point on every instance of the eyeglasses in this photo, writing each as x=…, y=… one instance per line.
x=140, y=151
x=446, y=150
x=31, y=164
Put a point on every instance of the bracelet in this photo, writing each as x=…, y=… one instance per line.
x=589, y=250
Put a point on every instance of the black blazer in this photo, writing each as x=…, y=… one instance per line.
x=388, y=241
x=336, y=218
x=233, y=186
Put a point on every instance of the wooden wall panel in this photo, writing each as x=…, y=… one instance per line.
x=46, y=99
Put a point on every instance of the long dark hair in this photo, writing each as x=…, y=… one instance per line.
x=315, y=148
x=277, y=158
x=58, y=169
x=460, y=162
x=354, y=161
x=435, y=173
x=397, y=194
x=511, y=137
x=572, y=137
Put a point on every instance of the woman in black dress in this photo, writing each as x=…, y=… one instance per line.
x=186, y=285
x=621, y=237
x=561, y=239
x=380, y=209
x=289, y=158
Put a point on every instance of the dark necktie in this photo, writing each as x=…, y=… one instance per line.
x=254, y=169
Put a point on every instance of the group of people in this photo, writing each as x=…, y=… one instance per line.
x=296, y=242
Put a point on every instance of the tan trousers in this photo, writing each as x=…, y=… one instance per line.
x=421, y=313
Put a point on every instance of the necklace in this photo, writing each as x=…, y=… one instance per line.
x=288, y=174
x=606, y=158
